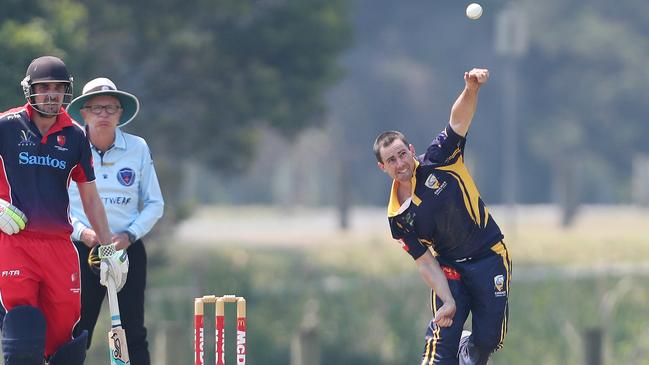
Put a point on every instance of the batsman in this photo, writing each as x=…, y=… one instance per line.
x=41, y=150
x=436, y=212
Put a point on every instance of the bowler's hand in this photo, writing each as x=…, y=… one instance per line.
x=89, y=238
x=444, y=315
x=475, y=78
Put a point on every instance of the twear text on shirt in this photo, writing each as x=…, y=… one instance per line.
x=117, y=200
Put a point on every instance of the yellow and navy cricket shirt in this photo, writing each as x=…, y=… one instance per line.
x=445, y=211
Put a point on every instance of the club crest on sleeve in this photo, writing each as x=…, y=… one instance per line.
x=126, y=176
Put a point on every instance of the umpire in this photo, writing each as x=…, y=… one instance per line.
x=129, y=189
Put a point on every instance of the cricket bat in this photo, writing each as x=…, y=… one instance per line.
x=116, y=336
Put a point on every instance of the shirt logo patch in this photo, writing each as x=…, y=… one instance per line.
x=407, y=222
x=11, y=273
x=116, y=200
x=499, y=285
x=433, y=183
x=126, y=176
x=24, y=158
x=60, y=142
x=26, y=138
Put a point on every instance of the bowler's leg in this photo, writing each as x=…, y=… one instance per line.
x=489, y=288
x=442, y=342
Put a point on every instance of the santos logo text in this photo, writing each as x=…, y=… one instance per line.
x=24, y=158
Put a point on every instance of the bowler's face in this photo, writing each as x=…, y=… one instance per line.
x=398, y=160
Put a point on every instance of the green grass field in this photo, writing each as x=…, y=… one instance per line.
x=371, y=305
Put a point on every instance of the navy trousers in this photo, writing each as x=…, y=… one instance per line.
x=480, y=286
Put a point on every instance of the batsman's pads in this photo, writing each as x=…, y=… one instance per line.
x=12, y=220
x=113, y=263
x=71, y=353
x=23, y=336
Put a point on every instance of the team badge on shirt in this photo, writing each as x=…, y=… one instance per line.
x=433, y=183
x=126, y=176
x=60, y=142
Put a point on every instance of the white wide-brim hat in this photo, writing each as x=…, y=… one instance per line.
x=103, y=86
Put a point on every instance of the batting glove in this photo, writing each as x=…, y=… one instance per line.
x=113, y=263
x=12, y=220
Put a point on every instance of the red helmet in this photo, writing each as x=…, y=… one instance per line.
x=46, y=69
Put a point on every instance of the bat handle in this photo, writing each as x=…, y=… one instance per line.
x=113, y=304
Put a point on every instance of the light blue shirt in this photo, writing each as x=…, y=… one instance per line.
x=128, y=187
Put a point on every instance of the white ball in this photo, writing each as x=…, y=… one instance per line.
x=474, y=11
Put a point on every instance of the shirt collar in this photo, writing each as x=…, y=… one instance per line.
x=394, y=208
x=119, y=142
x=62, y=120
x=120, y=139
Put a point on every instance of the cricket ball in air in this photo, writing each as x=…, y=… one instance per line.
x=474, y=11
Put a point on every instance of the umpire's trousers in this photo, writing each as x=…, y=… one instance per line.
x=131, y=301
